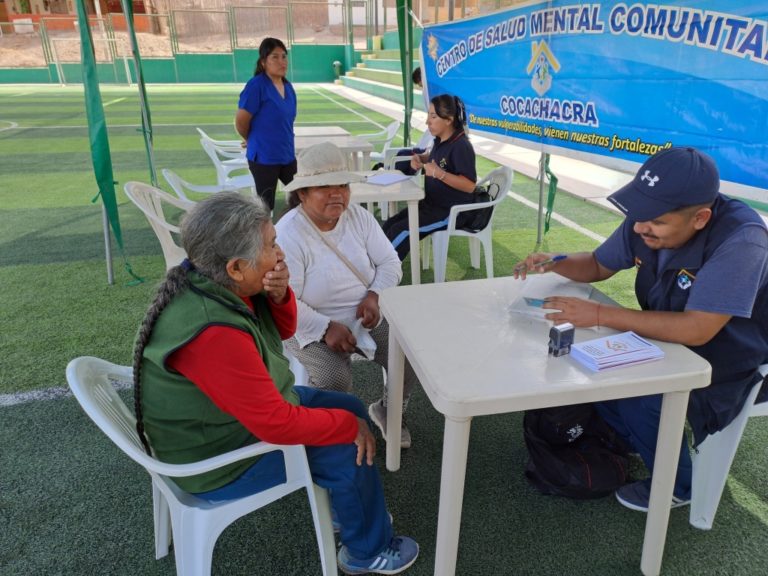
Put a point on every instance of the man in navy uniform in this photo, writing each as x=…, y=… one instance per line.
x=702, y=280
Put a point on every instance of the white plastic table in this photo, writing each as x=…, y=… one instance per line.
x=475, y=357
x=319, y=131
x=353, y=147
x=406, y=190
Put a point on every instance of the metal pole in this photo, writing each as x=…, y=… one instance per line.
x=107, y=244
x=539, y=220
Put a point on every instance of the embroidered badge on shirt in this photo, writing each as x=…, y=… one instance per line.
x=685, y=279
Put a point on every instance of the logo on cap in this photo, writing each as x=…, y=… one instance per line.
x=651, y=179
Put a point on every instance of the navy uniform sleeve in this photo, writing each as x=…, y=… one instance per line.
x=463, y=160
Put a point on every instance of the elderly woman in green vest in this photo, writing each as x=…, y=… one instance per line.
x=210, y=377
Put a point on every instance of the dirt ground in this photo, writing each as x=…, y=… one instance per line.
x=26, y=50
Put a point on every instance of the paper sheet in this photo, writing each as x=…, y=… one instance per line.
x=387, y=178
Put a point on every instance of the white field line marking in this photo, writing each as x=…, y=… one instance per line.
x=20, y=94
x=51, y=394
x=355, y=112
x=115, y=101
x=11, y=125
x=562, y=219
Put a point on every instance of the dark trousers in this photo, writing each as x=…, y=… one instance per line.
x=265, y=177
x=431, y=219
x=636, y=420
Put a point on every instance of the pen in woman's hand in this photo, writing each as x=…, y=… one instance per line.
x=557, y=258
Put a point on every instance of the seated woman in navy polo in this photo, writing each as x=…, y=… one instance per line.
x=449, y=170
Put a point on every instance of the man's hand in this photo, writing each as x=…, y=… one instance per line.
x=531, y=264
x=366, y=443
x=579, y=312
x=369, y=311
x=339, y=338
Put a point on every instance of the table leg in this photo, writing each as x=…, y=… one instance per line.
x=395, y=368
x=673, y=410
x=413, y=233
x=455, y=447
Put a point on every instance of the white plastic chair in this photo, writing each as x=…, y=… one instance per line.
x=714, y=458
x=385, y=138
x=194, y=523
x=226, y=160
x=182, y=187
x=150, y=201
x=501, y=178
x=218, y=142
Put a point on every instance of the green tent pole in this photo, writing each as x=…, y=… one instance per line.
x=97, y=133
x=405, y=36
x=146, y=118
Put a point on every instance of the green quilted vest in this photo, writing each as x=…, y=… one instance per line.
x=183, y=425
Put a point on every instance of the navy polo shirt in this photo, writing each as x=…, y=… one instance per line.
x=723, y=269
x=456, y=156
x=270, y=139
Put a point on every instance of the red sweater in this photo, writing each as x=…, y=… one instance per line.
x=226, y=365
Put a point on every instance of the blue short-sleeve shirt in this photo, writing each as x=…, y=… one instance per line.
x=270, y=139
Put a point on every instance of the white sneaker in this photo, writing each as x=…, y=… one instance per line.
x=378, y=414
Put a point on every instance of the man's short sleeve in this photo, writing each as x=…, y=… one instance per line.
x=730, y=279
x=616, y=252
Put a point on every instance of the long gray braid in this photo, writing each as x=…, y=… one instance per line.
x=225, y=226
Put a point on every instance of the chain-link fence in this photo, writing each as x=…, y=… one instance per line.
x=221, y=26
x=20, y=45
x=251, y=24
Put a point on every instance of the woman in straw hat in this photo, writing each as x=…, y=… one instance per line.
x=210, y=377
x=340, y=261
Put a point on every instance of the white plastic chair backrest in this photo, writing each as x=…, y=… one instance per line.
x=221, y=155
x=762, y=408
x=182, y=187
x=90, y=380
x=218, y=142
x=501, y=178
x=150, y=201
x=391, y=130
x=177, y=183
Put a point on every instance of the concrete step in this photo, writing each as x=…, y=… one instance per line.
x=381, y=90
x=385, y=54
x=384, y=64
x=382, y=76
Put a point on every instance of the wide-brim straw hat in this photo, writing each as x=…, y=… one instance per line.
x=322, y=164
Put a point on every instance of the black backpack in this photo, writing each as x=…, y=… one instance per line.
x=476, y=220
x=572, y=452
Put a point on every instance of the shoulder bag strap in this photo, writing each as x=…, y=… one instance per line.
x=333, y=247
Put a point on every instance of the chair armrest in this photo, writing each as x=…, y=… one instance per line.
x=211, y=189
x=193, y=468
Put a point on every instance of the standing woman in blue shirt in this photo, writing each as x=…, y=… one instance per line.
x=449, y=173
x=265, y=116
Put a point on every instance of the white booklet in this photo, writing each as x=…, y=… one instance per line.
x=616, y=350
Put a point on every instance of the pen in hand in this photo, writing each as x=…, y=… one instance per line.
x=557, y=258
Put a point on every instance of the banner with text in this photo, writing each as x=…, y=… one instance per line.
x=613, y=82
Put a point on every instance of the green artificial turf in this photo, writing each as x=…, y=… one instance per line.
x=71, y=503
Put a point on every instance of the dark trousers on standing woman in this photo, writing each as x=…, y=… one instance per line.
x=265, y=177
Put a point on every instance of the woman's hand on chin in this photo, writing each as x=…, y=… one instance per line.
x=276, y=282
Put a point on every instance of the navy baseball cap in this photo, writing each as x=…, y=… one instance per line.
x=671, y=179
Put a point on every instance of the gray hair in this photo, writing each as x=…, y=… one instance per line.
x=225, y=226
